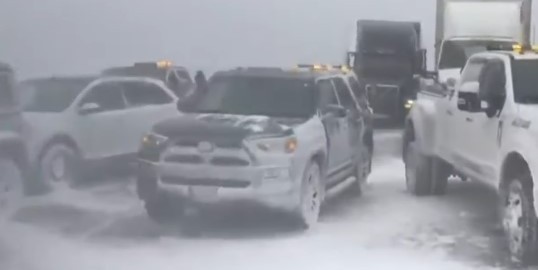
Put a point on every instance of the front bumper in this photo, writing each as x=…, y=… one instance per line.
x=269, y=186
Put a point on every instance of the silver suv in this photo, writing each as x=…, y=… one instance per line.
x=274, y=137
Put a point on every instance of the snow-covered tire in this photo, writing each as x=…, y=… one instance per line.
x=11, y=186
x=311, y=196
x=418, y=169
x=161, y=208
x=519, y=220
x=439, y=176
x=59, y=166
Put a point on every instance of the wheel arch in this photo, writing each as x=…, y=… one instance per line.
x=58, y=139
x=514, y=164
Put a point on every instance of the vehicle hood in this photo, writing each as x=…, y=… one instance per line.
x=221, y=125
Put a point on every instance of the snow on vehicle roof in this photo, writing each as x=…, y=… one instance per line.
x=272, y=72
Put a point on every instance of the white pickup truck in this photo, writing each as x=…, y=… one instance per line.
x=485, y=129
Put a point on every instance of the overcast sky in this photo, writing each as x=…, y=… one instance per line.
x=43, y=37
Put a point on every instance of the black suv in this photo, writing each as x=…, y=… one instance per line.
x=278, y=138
x=13, y=155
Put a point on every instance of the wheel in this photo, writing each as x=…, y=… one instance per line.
x=11, y=186
x=361, y=170
x=439, y=176
x=58, y=166
x=311, y=196
x=519, y=220
x=162, y=209
x=417, y=171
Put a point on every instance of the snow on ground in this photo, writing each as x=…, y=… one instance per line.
x=105, y=228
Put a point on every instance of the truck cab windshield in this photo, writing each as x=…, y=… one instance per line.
x=454, y=53
x=525, y=81
x=277, y=97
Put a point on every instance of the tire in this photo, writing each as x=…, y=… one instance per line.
x=59, y=167
x=11, y=186
x=310, y=197
x=418, y=168
x=161, y=208
x=519, y=220
x=439, y=177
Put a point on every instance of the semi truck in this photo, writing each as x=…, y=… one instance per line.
x=387, y=59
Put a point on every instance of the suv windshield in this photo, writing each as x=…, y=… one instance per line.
x=51, y=95
x=278, y=97
x=525, y=81
x=455, y=53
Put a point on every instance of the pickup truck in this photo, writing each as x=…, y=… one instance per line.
x=483, y=129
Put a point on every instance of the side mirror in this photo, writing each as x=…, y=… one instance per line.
x=335, y=110
x=469, y=102
x=88, y=108
x=451, y=83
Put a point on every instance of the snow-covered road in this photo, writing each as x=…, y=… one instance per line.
x=105, y=227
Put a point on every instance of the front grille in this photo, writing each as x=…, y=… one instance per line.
x=190, y=159
x=229, y=161
x=227, y=183
x=225, y=152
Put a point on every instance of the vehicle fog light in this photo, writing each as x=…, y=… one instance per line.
x=274, y=173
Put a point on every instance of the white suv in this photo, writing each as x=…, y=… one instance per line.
x=79, y=123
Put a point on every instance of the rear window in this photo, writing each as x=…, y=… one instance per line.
x=51, y=95
x=525, y=81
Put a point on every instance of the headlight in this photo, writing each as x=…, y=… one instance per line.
x=153, y=140
x=409, y=103
x=286, y=145
x=151, y=147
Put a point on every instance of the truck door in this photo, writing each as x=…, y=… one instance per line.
x=489, y=130
x=462, y=125
x=353, y=121
x=335, y=127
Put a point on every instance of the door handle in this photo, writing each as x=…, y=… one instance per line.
x=449, y=112
x=468, y=119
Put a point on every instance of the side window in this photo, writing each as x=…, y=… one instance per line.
x=108, y=95
x=472, y=71
x=184, y=81
x=7, y=90
x=145, y=93
x=327, y=94
x=172, y=81
x=360, y=92
x=344, y=94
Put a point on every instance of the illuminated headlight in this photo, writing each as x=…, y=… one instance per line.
x=151, y=146
x=153, y=140
x=276, y=145
x=409, y=103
